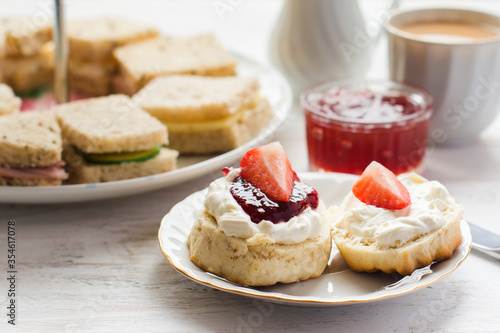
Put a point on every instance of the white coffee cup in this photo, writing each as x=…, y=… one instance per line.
x=462, y=73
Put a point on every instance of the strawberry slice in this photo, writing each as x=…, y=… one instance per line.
x=379, y=186
x=269, y=169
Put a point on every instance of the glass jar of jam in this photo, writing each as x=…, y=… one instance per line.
x=351, y=123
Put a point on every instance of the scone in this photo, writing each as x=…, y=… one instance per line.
x=396, y=224
x=260, y=225
x=206, y=115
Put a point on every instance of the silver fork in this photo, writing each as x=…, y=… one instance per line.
x=412, y=278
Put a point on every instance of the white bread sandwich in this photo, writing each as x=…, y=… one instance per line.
x=94, y=39
x=25, y=74
x=140, y=62
x=261, y=225
x=206, y=115
x=22, y=37
x=9, y=103
x=112, y=138
x=396, y=224
x=91, y=44
x=30, y=150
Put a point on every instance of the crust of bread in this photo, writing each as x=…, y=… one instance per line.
x=196, y=98
x=9, y=103
x=141, y=62
x=95, y=39
x=109, y=124
x=240, y=261
x=437, y=245
x=30, y=139
x=7, y=181
x=22, y=37
x=244, y=127
x=81, y=172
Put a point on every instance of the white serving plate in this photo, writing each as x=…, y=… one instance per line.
x=273, y=86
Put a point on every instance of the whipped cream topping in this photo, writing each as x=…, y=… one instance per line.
x=430, y=203
x=233, y=221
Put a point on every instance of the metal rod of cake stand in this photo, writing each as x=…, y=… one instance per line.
x=60, y=54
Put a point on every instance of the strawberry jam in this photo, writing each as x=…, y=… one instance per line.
x=259, y=207
x=349, y=126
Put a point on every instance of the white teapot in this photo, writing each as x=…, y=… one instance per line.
x=315, y=40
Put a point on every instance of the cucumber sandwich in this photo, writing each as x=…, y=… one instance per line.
x=112, y=138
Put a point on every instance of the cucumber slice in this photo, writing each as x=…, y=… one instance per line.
x=36, y=93
x=125, y=157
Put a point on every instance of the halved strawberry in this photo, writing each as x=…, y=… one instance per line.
x=379, y=186
x=269, y=169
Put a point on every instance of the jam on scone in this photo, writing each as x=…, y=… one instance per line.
x=268, y=189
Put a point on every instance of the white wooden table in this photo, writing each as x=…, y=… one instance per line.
x=97, y=266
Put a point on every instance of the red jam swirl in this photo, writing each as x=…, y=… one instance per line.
x=259, y=207
x=350, y=128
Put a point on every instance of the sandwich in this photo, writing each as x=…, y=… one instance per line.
x=9, y=103
x=91, y=78
x=20, y=37
x=26, y=54
x=140, y=62
x=25, y=74
x=91, y=43
x=206, y=115
x=111, y=138
x=30, y=150
x=95, y=39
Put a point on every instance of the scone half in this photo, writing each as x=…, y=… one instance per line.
x=368, y=255
x=435, y=246
x=247, y=262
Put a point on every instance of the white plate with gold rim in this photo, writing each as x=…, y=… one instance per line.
x=338, y=285
x=273, y=86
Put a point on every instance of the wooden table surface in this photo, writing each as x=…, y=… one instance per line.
x=97, y=266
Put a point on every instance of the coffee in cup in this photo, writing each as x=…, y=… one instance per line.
x=443, y=31
x=454, y=54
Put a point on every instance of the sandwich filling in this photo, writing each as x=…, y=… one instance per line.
x=122, y=157
x=54, y=171
x=210, y=125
